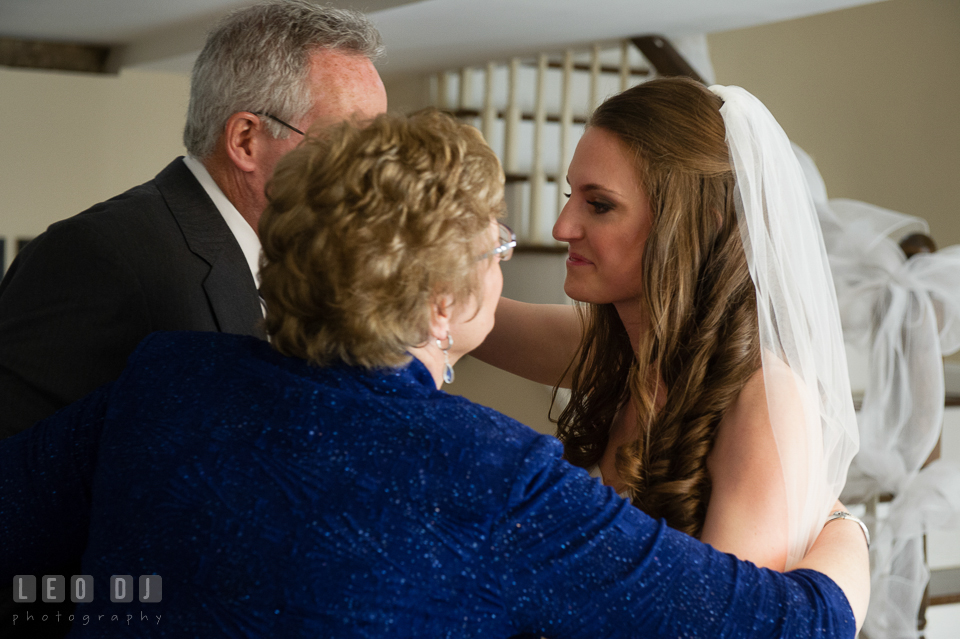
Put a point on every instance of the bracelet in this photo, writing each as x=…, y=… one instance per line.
x=840, y=514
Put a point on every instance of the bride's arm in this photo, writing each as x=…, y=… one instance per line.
x=535, y=341
x=747, y=511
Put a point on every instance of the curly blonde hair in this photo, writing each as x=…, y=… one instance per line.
x=365, y=227
x=702, y=343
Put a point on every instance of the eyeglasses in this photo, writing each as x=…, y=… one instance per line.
x=504, y=250
x=278, y=121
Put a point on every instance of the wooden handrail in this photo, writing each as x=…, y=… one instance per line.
x=916, y=243
x=664, y=57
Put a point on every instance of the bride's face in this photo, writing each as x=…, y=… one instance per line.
x=606, y=222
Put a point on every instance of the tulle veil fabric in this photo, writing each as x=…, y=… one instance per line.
x=804, y=361
x=906, y=314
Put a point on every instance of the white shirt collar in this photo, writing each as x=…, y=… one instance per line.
x=241, y=229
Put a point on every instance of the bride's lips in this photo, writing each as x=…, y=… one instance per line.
x=575, y=259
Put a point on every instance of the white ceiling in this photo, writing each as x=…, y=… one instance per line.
x=422, y=35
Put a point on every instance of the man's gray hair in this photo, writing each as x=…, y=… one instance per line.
x=258, y=59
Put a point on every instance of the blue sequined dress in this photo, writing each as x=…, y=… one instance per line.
x=279, y=499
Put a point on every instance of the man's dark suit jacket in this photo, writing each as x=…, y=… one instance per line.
x=80, y=297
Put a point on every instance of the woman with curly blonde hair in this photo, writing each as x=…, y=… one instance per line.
x=705, y=359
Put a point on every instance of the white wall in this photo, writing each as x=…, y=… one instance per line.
x=872, y=93
x=71, y=140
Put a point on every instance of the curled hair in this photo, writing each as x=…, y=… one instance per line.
x=258, y=59
x=702, y=343
x=365, y=227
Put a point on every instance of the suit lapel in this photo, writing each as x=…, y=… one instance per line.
x=228, y=286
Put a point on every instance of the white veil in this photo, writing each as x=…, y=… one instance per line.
x=804, y=362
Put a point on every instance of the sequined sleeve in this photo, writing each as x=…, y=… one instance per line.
x=45, y=488
x=575, y=556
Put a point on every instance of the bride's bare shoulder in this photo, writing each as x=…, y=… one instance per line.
x=774, y=388
x=745, y=427
x=746, y=514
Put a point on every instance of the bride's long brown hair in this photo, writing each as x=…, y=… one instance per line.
x=702, y=343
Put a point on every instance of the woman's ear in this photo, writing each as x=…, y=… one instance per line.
x=441, y=312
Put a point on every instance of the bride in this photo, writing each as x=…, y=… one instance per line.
x=704, y=355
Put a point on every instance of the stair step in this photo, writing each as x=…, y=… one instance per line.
x=512, y=178
x=502, y=115
x=944, y=586
x=604, y=68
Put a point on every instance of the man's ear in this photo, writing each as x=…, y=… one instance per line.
x=441, y=312
x=240, y=139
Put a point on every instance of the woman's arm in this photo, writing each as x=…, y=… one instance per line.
x=46, y=478
x=535, y=341
x=576, y=560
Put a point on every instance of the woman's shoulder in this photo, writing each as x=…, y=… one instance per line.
x=485, y=426
x=183, y=345
x=198, y=365
x=486, y=438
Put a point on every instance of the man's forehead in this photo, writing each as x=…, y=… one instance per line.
x=345, y=83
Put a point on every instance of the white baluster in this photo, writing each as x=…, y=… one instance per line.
x=442, y=90
x=489, y=113
x=466, y=88
x=566, y=122
x=594, y=78
x=512, y=122
x=537, y=177
x=624, y=65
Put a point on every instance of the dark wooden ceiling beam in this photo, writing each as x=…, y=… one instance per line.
x=59, y=56
x=664, y=57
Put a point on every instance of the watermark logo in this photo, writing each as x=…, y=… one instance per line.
x=53, y=589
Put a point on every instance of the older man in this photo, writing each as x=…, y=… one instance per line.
x=180, y=252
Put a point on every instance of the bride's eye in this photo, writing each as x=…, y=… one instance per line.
x=599, y=207
x=567, y=195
